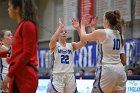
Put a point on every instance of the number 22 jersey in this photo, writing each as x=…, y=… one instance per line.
x=63, y=59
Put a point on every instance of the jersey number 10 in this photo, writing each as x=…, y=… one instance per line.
x=116, y=44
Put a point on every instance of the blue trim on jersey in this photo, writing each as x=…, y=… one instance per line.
x=76, y=86
x=101, y=54
x=98, y=53
x=99, y=80
x=95, y=77
x=53, y=85
x=1, y=69
x=52, y=60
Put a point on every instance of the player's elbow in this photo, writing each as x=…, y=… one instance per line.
x=83, y=38
x=123, y=58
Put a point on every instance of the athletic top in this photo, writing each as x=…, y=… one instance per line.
x=63, y=59
x=24, y=47
x=111, y=48
x=3, y=64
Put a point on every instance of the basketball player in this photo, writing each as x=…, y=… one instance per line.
x=22, y=75
x=63, y=79
x=5, y=40
x=110, y=74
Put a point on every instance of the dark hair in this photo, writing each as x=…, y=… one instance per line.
x=82, y=70
x=28, y=9
x=115, y=21
x=131, y=69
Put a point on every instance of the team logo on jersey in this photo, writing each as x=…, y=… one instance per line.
x=64, y=51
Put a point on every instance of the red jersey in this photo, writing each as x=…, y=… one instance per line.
x=3, y=54
x=24, y=47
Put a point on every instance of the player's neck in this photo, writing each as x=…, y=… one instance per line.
x=19, y=19
x=62, y=43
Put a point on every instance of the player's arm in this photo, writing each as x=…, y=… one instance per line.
x=55, y=36
x=75, y=24
x=3, y=51
x=81, y=43
x=123, y=56
x=96, y=35
x=92, y=24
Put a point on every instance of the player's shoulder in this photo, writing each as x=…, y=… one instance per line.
x=28, y=23
x=68, y=44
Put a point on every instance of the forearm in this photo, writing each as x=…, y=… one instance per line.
x=78, y=31
x=83, y=33
x=56, y=34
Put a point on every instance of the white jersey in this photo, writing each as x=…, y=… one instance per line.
x=63, y=59
x=4, y=66
x=110, y=73
x=110, y=48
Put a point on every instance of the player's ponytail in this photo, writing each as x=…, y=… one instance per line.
x=115, y=22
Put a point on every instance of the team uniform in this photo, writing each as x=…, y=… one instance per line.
x=110, y=73
x=4, y=66
x=23, y=60
x=63, y=79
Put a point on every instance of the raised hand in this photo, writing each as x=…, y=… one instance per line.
x=83, y=21
x=93, y=22
x=60, y=22
x=75, y=23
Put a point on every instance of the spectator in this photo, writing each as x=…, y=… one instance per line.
x=130, y=72
x=91, y=72
x=81, y=72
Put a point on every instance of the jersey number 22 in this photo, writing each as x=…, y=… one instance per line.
x=65, y=59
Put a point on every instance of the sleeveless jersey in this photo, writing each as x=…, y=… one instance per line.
x=63, y=59
x=4, y=66
x=109, y=50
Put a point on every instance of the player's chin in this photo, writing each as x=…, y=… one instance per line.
x=64, y=37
